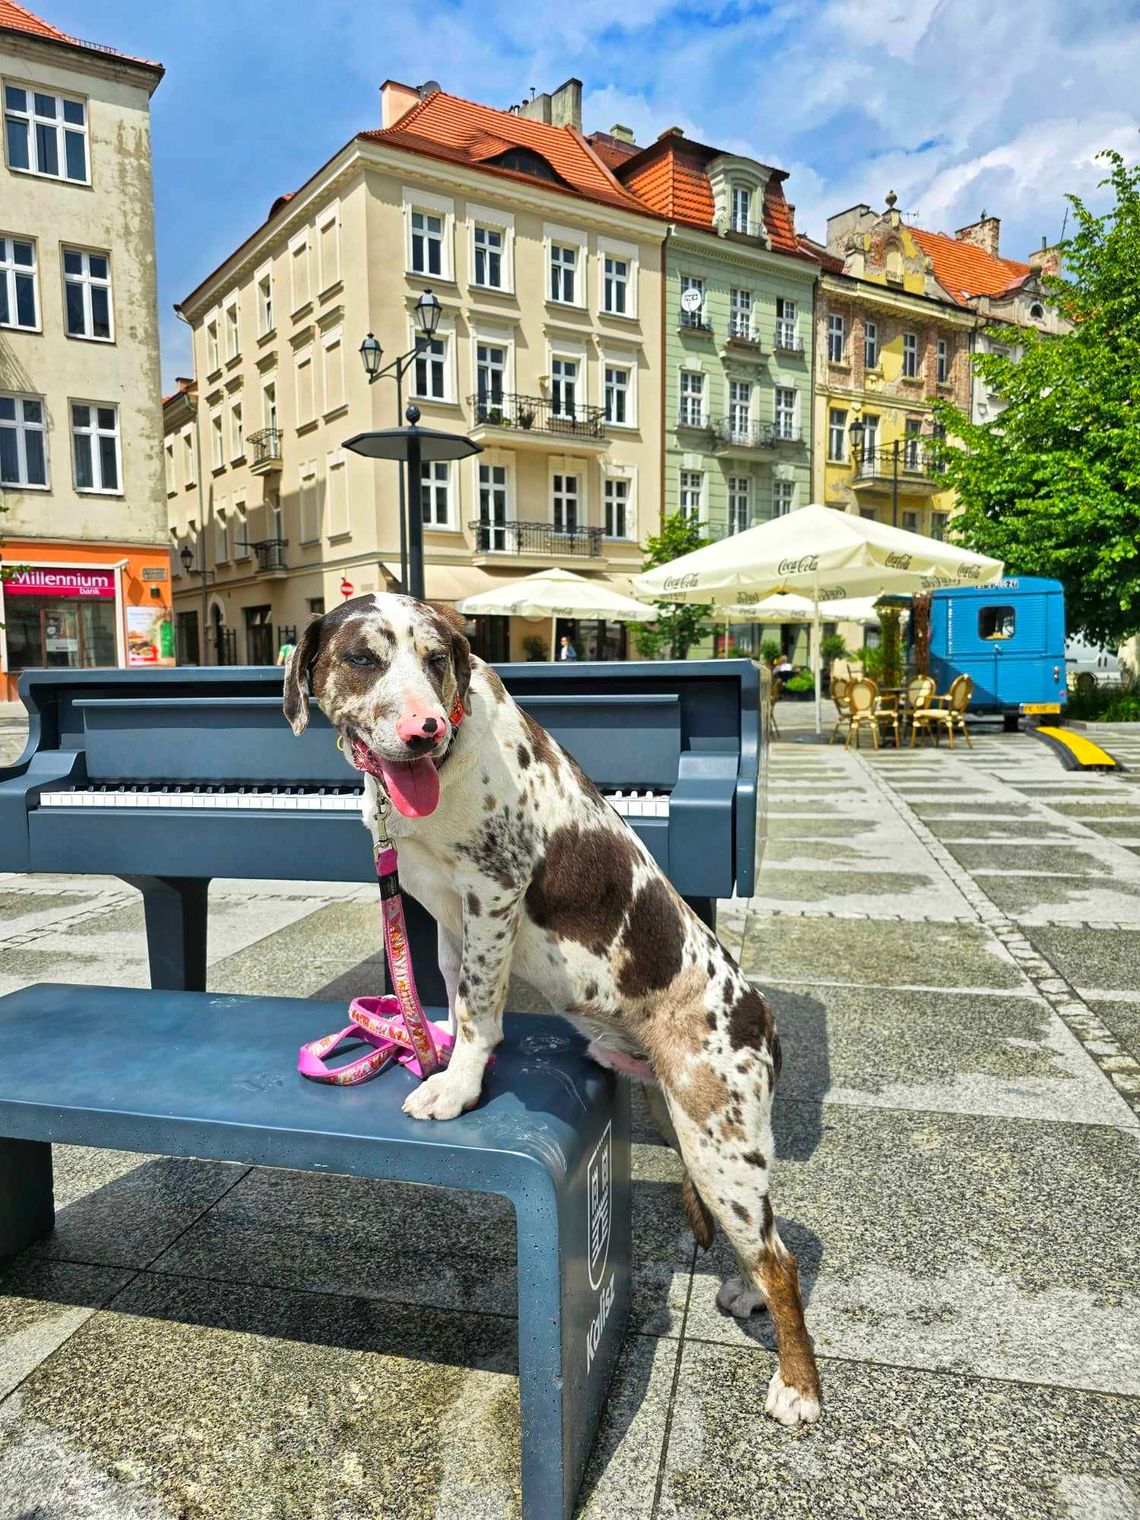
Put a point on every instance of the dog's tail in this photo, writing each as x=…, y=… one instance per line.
x=696, y=1209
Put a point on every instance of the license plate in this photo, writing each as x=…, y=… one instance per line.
x=1041, y=707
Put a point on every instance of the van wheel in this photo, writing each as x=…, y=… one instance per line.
x=1009, y=722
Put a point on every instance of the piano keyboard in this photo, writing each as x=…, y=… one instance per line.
x=279, y=799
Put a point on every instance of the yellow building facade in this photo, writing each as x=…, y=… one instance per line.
x=888, y=345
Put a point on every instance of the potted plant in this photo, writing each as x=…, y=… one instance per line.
x=770, y=652
x=534, y=647
x=526, y=419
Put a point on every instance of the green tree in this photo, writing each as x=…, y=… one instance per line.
x=679, y=625
x=1052, y=484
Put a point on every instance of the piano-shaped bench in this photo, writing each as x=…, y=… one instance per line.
x=213, y=1076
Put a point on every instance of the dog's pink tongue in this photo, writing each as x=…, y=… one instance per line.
x=413, y=786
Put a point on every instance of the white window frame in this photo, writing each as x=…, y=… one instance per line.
x=564, y=272
x=629, y=481
x=787, y=327
x=685, y=478
x=837, y=430
x=502, y=222
x=87, y=283
x=786, y=430
x=870, y=344
x=21, y=427
x=328, y=278
x=336, y=477
x=942, y=363
x=910, y=356
x=739, y=489
x=685, y=397
x=10, y=272
x=332, y=370
x=740, y=312
x=300, y=258
x=569, y=238
x=237, y=431
x=265, y=307
x=432, y=205
x=62, y=130
x=560, y=405
x=96, y=432
x=239, y=528
x=222, y=531
x=270, y=413
x=696, y=318
x=438, y=479
x=168, y=462
x=740, y=198
x=431, y=363
x=302, y=360
x=740, y=422
x=627, y=253
x=217, y=440
x=309, y=507
x=836, y=338
x=560, y=495
x=189, y=456
x=231, y=311
x=213, y=342
x=783, y=497
x=491, y=461
x=629, y=369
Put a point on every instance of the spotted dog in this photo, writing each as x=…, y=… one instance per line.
x=527, y=869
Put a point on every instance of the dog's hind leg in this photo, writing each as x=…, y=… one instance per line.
x=734, y=1185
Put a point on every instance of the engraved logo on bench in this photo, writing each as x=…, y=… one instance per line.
x=600, y=1205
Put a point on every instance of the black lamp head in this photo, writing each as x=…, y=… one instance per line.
x=371, y=354
x=428, y=311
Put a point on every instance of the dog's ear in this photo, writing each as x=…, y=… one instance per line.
x=460, y=649
x=297, y=673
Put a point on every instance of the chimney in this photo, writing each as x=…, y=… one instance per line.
x=563, y=108
x=623, y=134
x=1045, y=260
x=670, y=132
x=397, y=99
x=983, y=234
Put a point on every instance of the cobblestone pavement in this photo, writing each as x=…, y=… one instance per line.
x=952, y=945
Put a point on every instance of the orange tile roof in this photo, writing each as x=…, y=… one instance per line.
x=671, y=178
x=446, y=126
x=963, y=270
x=16, y=18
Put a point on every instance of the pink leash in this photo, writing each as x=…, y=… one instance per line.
x=395, y=1026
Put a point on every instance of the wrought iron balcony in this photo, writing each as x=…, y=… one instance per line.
x=266, y=451
x=878, y=464
x=538, y=414
x=783, y=432
x=728, y=223
x=787, y=339
x=732, y=434
x=536, y=538
x=270, y=555
x=695, y=321
x=740, y=330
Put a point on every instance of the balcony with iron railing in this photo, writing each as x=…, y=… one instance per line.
x=875, y=468
x=694, y=321
x=541, y=540
x=740, y=331
x=731, y=435
x=265, y=451
x=536, y=420
x=728, y=224
x=788, y=340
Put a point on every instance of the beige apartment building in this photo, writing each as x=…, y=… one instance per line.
x=547, y=354
x=85, y=551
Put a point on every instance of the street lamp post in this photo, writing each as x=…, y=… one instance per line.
x=427, y=310
x=186, y=555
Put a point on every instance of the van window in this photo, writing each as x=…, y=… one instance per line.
x=996, y=622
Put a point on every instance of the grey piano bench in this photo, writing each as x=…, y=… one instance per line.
x=198, y=1074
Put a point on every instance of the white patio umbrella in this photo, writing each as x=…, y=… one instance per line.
x=824, y=554
x=556, y=593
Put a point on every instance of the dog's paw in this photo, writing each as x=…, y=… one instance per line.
x=739, y=1298
x=789, y=1406
x=439, y=1097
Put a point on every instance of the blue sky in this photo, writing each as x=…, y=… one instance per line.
x=958, y=105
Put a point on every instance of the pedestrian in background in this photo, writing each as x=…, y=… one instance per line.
x=567, y=650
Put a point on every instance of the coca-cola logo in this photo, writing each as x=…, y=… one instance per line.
x=802, y=566
x=749, y=599
x=969, y=572
x=898, y=561
x=833, y=593
x=680, y=582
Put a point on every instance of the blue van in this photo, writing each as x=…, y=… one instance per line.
x=1009, y=638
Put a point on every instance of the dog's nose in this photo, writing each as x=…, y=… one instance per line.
x=415, y=725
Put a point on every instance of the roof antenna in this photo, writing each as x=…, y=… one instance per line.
x=532, y=92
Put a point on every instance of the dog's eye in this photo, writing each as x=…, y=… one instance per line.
x=438, y=660
x=360, y=660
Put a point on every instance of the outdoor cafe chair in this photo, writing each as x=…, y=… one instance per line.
x=919, y=691
x=862, y=701
x=840, y=686
x=775, y=691
x=887, y=712
x=946, y=712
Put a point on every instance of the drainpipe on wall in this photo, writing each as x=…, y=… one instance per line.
x=664, y=369
x=202, y=539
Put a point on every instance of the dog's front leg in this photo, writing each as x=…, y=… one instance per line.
x=488, y=947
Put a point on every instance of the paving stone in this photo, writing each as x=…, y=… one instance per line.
x=1052, y=859
x=819, y=828
x=981, y=809
x=41, y=1304
x=1124, y=1021
x=1079, y=898
x=948, y=1053
x=922, y=955
x=787, y=888
x=975, y=830
x=895, y=1443
x=936, y=1241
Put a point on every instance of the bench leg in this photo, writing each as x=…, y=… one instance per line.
x=574, y=1270
x=27, y=1208
x=175, y=908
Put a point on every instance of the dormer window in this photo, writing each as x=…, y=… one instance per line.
x=524, y=162
x=1037, y=311
x=741, y=208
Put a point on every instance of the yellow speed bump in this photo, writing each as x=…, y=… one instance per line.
x=1075, y=752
